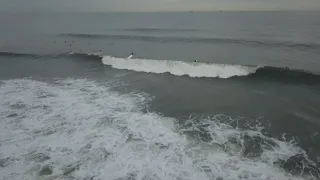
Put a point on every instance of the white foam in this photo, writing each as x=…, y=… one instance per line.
x=179, y=68
x=79, y=123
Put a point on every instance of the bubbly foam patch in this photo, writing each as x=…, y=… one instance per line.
x=78, y=129
x=179, y=68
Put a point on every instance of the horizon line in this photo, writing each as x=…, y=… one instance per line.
x=168, y=11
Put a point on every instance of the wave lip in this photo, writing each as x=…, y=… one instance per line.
x=179, y=68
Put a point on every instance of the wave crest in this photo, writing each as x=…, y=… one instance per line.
x=179, y=68
x=211, y=70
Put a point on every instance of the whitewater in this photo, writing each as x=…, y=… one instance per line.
x=179, y=68
x=81, y=129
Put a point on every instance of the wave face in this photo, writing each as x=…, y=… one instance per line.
x=211, y=70
x=179, y=68
x=191, y=69
x=285, y=75
x=79, y=129
x=207, y=40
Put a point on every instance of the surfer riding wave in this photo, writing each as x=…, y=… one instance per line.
x=131, y=55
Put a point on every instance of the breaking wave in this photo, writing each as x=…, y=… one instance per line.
x=80, y=129
x=179, y=68
x=199, y=69
x=191, y=69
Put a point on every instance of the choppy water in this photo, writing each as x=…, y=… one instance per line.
x=73, y=106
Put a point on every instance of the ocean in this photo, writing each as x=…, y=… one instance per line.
x=206, y=96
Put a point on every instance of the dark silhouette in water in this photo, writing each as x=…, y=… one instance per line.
x=131, y=55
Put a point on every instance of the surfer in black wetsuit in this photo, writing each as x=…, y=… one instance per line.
x=195, y=60
x=131, y=55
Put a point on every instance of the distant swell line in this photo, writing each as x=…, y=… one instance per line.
x=265, y=43
x=158, y=30
x=37, y=56
x=12, y=54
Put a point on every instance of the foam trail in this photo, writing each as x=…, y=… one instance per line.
x=179, y=68
x=78, y=129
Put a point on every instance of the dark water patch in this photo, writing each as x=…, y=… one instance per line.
x=299, y=165
x=46, y=170
x=252, y=147
x=13, y=115
x=6, y=161
x=207, y=40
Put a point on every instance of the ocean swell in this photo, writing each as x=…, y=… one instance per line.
x=202, y=40
x=184, y=68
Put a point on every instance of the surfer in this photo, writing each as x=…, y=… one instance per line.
x=131, y=55
x=195, y=60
